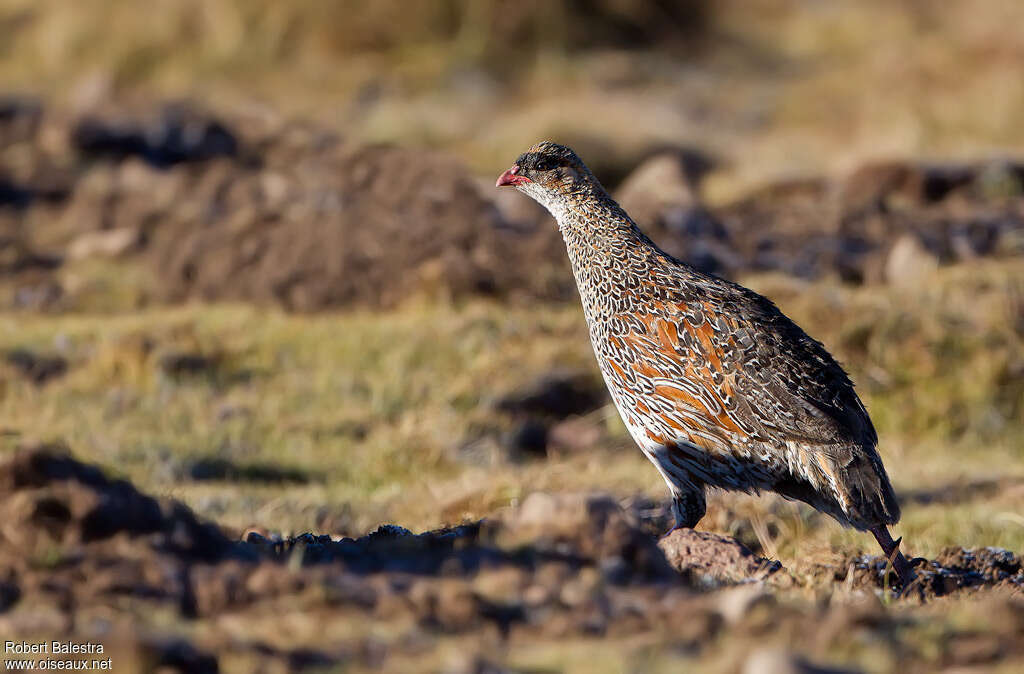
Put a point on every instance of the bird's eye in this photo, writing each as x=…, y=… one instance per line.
x=544, y=165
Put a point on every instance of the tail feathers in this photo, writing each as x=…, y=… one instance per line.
x=847, y=482
x=870, y=500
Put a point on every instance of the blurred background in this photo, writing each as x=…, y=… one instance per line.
x=251, y=258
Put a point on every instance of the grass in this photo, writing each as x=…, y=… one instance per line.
x=376, y=408
x=773, y=88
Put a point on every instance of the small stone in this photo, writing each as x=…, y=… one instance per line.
x=103, y=243
x=909, y=261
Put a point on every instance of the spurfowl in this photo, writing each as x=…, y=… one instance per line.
x=716, y=385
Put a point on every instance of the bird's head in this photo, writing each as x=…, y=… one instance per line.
x=550, y=173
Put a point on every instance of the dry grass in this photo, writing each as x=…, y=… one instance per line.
x=374, y=408
x=773, y=88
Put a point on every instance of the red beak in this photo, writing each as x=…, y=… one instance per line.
x=511, y=177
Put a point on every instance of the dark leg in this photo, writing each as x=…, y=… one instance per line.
x=891, y=549
x=688, y=506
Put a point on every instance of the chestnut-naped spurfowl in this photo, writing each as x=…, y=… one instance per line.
x=715, y=384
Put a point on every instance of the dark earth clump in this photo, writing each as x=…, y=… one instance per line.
x=76, y=544
x=953, y=570
x=556, y=396
x=546, y=416
x=182, y=365
x=37, y=368
x=175, y=135
x=215, y=468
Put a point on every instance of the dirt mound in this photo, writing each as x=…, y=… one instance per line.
x=332, y=224
x=253, y=207
x=716, y=557
x=850, y=226
x=109, y=544
x=261, y=209
x=953, y=570
x=178, y=134
x=49, y=499
x=881, y=222
x=91, y=558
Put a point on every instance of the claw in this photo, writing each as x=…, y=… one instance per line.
x=891, y=549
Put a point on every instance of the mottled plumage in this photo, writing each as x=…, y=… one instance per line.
x=715, y=384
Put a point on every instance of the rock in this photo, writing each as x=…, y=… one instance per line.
x=658, y=184
x=254, y=208
x=954, y=570
x=534, y=409
x=75, y=544
x=718, y=557
x=103, y=243
x=991, y=563
x=735, y=604
x=898, y=184
x=909, y=262
x=847, y=227
x=662, y=196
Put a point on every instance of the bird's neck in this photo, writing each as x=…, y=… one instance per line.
x=605, y=248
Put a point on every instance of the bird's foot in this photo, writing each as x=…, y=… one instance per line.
x=899, y=563
x=903, y=569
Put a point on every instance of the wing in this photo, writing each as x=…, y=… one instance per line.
x=720, y=364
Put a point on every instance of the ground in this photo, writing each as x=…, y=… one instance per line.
x=335, y=424
x=287, y=385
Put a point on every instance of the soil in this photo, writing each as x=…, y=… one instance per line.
x=82, y=552
x=249, y=207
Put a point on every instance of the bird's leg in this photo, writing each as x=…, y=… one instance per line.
x=891, y=549
x=688, y=507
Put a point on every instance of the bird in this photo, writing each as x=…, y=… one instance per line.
x=717, y=387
